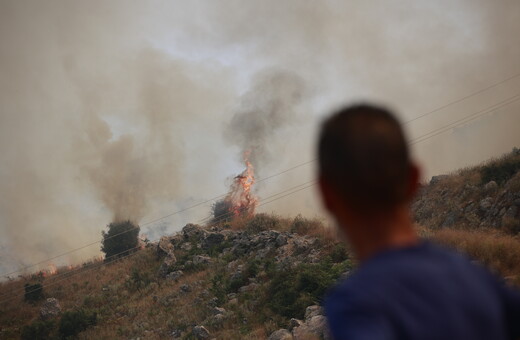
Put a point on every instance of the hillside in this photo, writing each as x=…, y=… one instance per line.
x=253, y=278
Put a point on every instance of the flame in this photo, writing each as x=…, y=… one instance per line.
x=50, y=270
x=243, y=202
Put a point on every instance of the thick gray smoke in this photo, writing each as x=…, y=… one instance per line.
x=265, y=112
x=115, y=110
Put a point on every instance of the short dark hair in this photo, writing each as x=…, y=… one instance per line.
x=362, y=151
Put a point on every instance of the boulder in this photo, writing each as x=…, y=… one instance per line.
x=249, y=288
x=50, y=309
x=281, y=334
x=491, y=186
x=281, y=240
x=437, y=179
x=218, y=310
x=212, y=240
x=167, y=265
x=201, y=259
x=174, y=276
x=192, y=230
x=314, y=327
x=312, y=311
x=185, y=288
x=295, y=323
x=200, y=332
x=164, y=246
x=486, y=203
x=511, y=211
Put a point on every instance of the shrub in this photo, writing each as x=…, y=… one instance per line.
x=338, y=253
x=291, y=291
x=305, y=226
x=511, y=225
x=121, y=239
x=33, y=292
x=137, y=280
x=38, y=330
x=74, y=322
x=498, y=252
x=222, y=211
x=262, y=222
x=500, y=171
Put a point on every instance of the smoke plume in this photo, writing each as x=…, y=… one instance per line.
x=265, y=111
x=126, y=110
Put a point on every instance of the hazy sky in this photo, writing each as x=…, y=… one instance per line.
x=132, y=109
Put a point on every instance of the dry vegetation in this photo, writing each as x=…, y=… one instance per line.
x=131, y=301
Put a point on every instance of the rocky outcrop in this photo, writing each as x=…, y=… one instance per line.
x=463, y=200
x=200, y=332
x=281, y=334
x=50, y=309
x=314, y=326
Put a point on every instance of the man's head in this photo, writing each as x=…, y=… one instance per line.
x=364, y=162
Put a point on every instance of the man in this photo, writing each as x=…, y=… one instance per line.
x=404, y=288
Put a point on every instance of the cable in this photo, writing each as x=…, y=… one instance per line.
x=68, y=275
x=149, y=222
x=230, y=213
x=299, y=187
x=461, y=99
x=466, y=119
x=73, y=272
x=204, y=220
x=266, y=178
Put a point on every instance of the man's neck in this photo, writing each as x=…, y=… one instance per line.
x=374, y=234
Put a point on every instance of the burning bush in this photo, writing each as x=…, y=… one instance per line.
x=240, y=201
x=121, y=239
x=222, y=211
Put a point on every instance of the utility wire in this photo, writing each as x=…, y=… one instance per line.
x=467, y=119
x=263, y=179
x=57, y=278
x=208, y=219
x=294, y=189
x=462, y=99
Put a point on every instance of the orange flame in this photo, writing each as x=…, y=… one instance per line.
x=51, y=270
x=243, y=202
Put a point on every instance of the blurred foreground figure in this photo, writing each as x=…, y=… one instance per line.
x=404, y=288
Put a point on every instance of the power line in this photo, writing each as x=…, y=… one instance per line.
x=149, y=222
x=68, y=275
x=461, y=99
x=71, y=273
x=266, y=178
x=467, y=119
x=303, y=186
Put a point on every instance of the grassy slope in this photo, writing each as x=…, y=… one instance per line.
x=131, y=301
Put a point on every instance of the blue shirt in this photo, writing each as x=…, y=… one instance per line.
x=422, y=292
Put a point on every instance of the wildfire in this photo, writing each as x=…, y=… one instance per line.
x=50, y=270
x=240, y=201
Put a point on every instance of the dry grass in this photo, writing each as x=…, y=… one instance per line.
x=499, y=252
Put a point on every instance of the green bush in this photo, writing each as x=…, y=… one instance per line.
x=293, y=290
x=339, y=253
x=33, y=292
x=121, y=239
x=138, y=280
x=74, y=322
x=222, y=211
x=304, y=226
x=38, y=330
x=500, y=171
x=262, y=222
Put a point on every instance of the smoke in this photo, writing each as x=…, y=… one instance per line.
x=116, y=110
x=265, y=111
